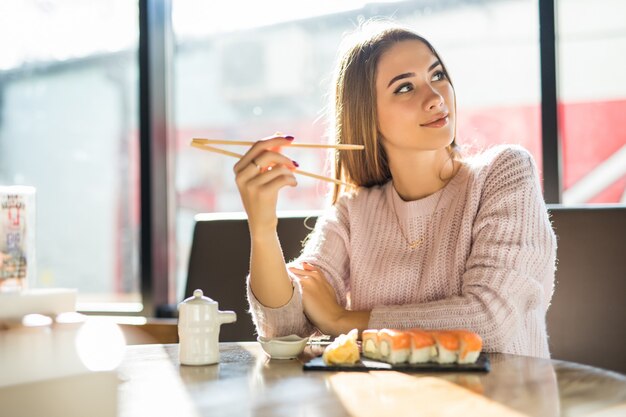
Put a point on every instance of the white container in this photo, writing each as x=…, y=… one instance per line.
x=199, y=322
x=285, y=347
x=17, y=237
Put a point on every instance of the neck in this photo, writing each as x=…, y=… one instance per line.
x=419, y=174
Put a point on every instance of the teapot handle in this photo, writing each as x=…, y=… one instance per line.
x=226, y=317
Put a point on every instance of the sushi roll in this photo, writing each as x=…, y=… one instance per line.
x=470, y=345
x=370, y=348
x=447, y=343
x=422, y=346
x=394, y=346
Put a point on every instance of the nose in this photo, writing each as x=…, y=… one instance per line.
x=433, y=99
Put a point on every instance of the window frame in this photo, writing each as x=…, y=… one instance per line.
x=155, y=57
x=157, y=206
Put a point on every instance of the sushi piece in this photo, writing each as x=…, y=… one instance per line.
x=470, y=345
x=447, y=343
x=343, y=350
x=369, y=342
x=422, y=346
x=394, y=346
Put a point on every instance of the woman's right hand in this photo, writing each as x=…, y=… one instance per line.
x=259, y=175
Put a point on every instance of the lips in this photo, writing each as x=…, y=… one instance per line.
x=439, y=120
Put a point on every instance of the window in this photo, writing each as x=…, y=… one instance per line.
x=246, y=79
x=68, y=126
x=592, y=89
x=69, y=109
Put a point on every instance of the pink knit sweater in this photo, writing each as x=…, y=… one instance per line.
x=486, y=264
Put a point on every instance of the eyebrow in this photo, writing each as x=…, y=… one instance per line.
x=412, y=74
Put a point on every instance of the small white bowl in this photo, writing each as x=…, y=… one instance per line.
x=285, y=347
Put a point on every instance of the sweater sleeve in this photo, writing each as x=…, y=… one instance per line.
x=509, y=275
x=280, y=321
x=326, y=248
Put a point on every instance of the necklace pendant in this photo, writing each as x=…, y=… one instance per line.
x=415, y=243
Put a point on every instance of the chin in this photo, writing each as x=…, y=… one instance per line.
x=442, y=141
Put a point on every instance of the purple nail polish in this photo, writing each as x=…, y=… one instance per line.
x=289, y=137
x=295, y=164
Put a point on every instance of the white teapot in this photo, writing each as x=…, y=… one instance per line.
x=199, y=323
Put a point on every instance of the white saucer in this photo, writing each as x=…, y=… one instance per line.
x=285, y=347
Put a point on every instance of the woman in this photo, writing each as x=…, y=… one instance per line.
x=425, y=239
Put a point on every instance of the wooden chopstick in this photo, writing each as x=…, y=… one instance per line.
x=343, y=147
x=195, y=144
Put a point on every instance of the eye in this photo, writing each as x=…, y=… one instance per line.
x=438, y=76
x=404, y=88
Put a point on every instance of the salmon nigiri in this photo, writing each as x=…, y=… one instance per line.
x=422, y=346
x=470, y=345
x=370, y=343
x=394, y=345
x=447, y=346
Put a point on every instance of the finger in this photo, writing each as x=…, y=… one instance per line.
x=304, y=283
x=271, y=159
x=253, y=176
x=313, y=273
x=279, y=182
x=308, y=267
x=280, y=135
x=300, y=272
x=312, y=269
x=247, y=173
x=296, y=270
x=304, y=279
x=265, y=179
x=260, y=164
x=259, y=147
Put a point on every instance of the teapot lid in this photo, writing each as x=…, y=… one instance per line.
x=198, y=298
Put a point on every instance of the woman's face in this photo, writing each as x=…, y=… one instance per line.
x=414, y=99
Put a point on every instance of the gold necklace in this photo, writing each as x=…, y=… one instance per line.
x=414, y=244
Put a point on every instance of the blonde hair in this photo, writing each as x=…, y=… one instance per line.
x=354, y=119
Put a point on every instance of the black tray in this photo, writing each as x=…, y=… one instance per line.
x=482, y=364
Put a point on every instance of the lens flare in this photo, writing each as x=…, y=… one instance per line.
x=100, y=344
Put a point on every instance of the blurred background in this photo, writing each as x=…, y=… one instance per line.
x=70, y=112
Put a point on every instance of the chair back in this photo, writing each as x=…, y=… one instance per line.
x=586, y=318
x=220, y=258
